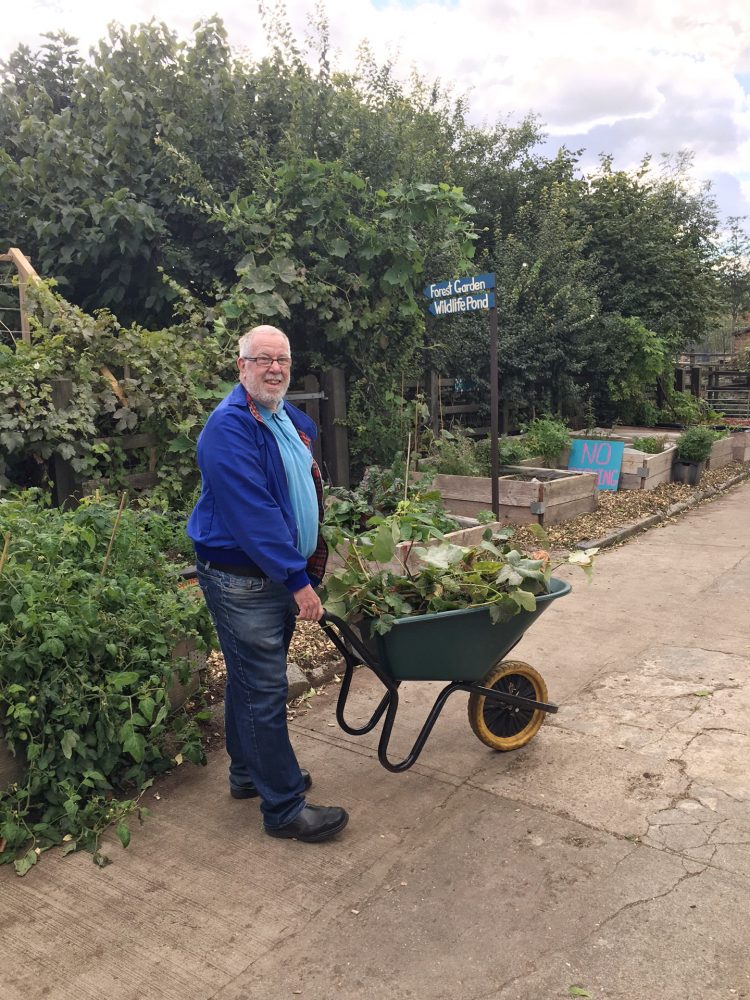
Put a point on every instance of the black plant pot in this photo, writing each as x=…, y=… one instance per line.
x=685, y=470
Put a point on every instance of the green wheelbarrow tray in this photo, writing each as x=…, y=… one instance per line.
x=463, y=647
x=453, y=645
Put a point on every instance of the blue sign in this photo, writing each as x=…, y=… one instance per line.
x=602, y=457
x=459, y=286
x=466, y=304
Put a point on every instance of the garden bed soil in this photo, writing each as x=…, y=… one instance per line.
x=527, y=495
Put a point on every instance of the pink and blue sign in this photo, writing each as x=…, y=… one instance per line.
x=602, y=457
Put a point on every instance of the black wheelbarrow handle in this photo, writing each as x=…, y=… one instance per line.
x=349, y=643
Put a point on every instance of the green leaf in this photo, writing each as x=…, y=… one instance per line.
x=284, y=268
x=135, y=745
x=123, y=679
x=27, y=862
x=123, y=833
x=540, y=534
x=383, y=546
x=339, y=248
x=147, y=707
x=577, y=991
x=67, y=743
x=524, y=599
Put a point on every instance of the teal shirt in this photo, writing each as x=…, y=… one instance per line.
x=297, y=464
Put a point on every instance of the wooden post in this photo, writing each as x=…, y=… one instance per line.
x=312, y=409
x=64, y=482
x=335, y=439
x=434, y=384
x=679, y=379
x=494, y=404
x=695, y=380
x=660, y=396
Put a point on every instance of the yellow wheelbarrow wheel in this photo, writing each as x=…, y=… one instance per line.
x=505, y=727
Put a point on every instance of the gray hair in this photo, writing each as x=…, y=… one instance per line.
x=245, y=344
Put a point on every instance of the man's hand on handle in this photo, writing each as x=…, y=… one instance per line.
x=308, y=602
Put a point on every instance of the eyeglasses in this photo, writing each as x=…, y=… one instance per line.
x=265, y=360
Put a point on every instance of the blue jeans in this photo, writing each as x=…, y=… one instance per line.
x=254, y=620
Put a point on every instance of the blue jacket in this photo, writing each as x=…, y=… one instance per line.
x=244, y=514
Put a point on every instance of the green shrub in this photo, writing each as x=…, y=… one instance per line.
x=694, y=445
x=90, y=613
x=455, y=455
x=510, y=451
x=382, y=493
x=651, y=445
x=547, y=436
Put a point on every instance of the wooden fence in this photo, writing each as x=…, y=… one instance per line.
x=326, y=406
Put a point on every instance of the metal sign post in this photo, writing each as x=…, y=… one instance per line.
x=494, y=405
x=466, y=295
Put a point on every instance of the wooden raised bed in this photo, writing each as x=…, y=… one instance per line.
x=527, y=495
x=642, y=471
x=721, y=453
x=740, y=446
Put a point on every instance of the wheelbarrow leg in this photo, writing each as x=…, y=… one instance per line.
x=425, y=731
x=346, y=681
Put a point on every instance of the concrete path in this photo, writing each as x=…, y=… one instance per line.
x=611, y=855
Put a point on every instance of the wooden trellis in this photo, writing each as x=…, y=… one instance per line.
x=26, y=273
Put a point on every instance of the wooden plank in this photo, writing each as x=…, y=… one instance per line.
x=462, y=408
x=517, y=492
x=470, y=508
x=476, y=488
x=567, y=511
x=131, y=442
x=464, y=536
x=721, y=454
x=479, y=489
x=133, y=481
x=741, y=447
x=563, y=491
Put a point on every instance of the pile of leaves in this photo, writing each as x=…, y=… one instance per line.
x=90, y=614
x=494, y=573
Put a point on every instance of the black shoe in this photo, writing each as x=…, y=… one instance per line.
x=251, y=792
x=314, y=823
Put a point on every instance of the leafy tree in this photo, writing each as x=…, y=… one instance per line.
x=734, y=278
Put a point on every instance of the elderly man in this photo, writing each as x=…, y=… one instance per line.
x=259, y=557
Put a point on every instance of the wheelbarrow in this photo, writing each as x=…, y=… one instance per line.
x=507, y=698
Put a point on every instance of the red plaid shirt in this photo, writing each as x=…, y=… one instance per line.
x=316, y=564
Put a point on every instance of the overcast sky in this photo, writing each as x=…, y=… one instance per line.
x=626, y=77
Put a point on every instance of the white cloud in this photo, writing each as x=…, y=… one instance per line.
x=627, y=77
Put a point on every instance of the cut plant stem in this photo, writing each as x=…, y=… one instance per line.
x=6, y=546
x=114, y=532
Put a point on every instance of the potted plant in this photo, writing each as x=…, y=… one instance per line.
x=693, y=448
